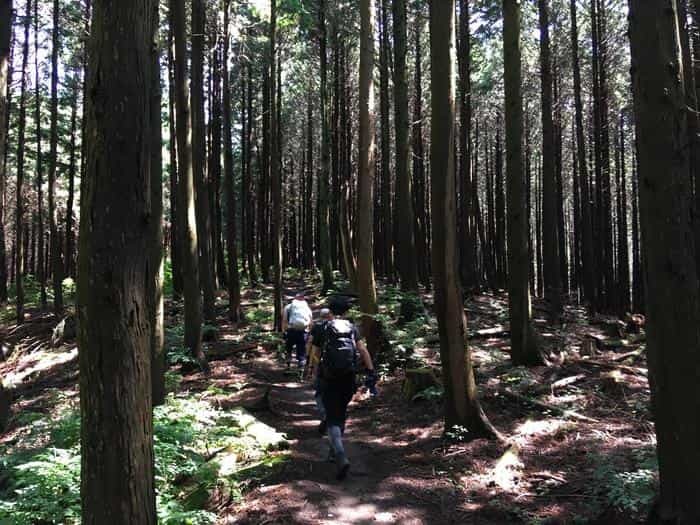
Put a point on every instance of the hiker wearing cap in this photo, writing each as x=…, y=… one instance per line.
x=295, y=321
x=313, y=359
x=341, y=350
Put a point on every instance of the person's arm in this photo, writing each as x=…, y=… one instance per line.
x=364, y=355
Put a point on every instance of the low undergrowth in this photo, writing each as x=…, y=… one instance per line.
x=200, y=451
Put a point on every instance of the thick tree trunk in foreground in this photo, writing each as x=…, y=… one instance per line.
x=461, y=404
x=524, y=349
x=365, y=198
x=673, y=305
x=186, y=210
x=117, y=479
x=5, y=38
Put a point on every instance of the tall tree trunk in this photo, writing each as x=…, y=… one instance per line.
x=186, y=207
x=157, y=257
x=206, y=267
x=468, y=258
x=309, y=230
x=55, y=241
x=461, y=403
x=419, y=160
x=247, y=181
x=405, y=242
x=524, y=349
x=176, y=248
x=673, y=305
x=324, y=175
x=623, y=246
x=234, y=285
x=552, y=278
x=38, y=234
x=637, y=277
x=366, y=169
x=588, y=262
x=117, y=480
x=501, y=220
x=19, y=206
x=69, y=260
x=387, y=239
x=275, y=177
x=5, y=46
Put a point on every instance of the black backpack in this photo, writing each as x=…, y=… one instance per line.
x=339, y=355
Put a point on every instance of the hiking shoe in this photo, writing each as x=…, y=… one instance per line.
x=322, y=426
x=343, y=467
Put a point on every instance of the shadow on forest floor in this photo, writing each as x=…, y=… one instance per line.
x=581, y=443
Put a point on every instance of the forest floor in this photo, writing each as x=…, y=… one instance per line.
x=580, y=443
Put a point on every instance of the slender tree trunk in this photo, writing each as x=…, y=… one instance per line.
x=468, y=259
x=69, y=260
x=386, y=224
x=552, y=278
x=247, y=180
x=623, y=245
x=524, y=349
x=157, y=257
x=117, y=478
x=673, y=305
x=186, y=207
x=638, y=302
x=234, y=285
x=275, y=177
x=5, y=50
x=461, y=403
x=588, y=263
x=366, y=164
x=309, y=230
x=176, y=248
x=405, y=242
x=199, y=160
x=55, y=241
x=419, y=160
x=37, y=262
x=501, y=220
x=19, y=207
x=324, y=175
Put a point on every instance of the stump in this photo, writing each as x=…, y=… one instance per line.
x=417, y=380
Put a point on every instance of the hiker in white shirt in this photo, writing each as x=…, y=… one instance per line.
x=295, y=321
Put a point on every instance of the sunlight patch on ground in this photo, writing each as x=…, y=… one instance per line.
x=541, y=427
x=43, y=361
x=508, y=469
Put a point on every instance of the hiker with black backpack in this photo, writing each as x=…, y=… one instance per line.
x=341, y=350
x=295, y=321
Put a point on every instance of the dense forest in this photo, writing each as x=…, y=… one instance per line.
x=507, y=191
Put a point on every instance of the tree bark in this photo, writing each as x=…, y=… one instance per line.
x=324, y=175
x=234, y=284
x=673, y=305
x=176, y=248
x=54, y=239
x=5, y=46
x=186, y=207
x=37, y=263
x=19, y=206
x=405, y=241
x=117, y=479
x=461, y=403
x=524, y=349
x=385, y=254
x=552, y=278
x=157, y=257
x=366, y=169
x=275, y=178
x=202, y=205
x=588, y=260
